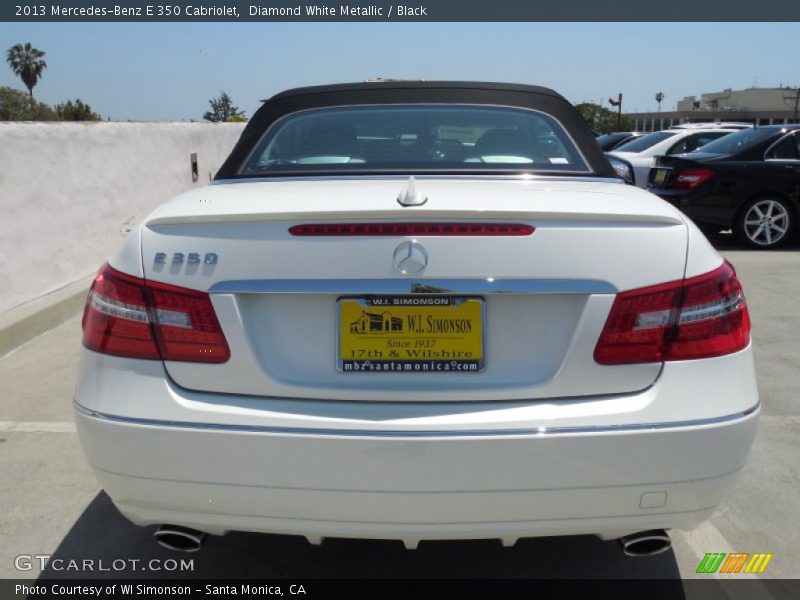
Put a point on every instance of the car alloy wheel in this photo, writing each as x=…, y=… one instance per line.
x=766, y=222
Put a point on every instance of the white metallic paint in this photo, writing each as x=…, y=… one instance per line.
x=544, y=442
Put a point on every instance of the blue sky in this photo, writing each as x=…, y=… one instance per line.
x=168, y=71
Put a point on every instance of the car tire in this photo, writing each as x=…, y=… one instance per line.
x=765, y=222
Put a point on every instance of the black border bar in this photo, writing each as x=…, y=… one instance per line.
x=390, y=589
x=403, y=11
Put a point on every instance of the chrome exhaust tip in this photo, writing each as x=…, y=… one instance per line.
x=182, y=539
x=646, y=543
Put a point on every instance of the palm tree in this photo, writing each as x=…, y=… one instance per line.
x=659, y=98
x=26, y=61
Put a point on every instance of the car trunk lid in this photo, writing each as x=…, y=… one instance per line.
x=543, y=298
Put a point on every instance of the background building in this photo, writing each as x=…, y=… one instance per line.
x=754, y=105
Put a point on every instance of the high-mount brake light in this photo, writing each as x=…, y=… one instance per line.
x=411, y=228
x=700, y=317
x=127, y=316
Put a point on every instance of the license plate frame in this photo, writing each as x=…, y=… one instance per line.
x=463, y=308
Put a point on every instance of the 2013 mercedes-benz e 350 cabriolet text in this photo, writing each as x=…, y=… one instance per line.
x=417, y=311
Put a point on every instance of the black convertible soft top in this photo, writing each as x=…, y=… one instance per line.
x=418, y=92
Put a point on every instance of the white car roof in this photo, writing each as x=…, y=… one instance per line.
x=722, y=125
x=657, y=148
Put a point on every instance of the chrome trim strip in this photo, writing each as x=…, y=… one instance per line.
x=386, y=433
x=367, y=287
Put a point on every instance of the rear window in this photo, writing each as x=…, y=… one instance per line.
x=414, y=138
x=733, y=143
x=641, y=144
x=608, y=141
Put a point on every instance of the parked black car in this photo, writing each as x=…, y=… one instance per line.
x=609, y=141
x=748, y=181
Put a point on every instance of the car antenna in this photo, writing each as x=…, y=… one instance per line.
x=411, y=196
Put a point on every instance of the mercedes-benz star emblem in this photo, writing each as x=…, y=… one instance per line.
x=410, y=258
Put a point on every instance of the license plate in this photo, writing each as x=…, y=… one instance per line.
x=661, y=176
x=411, y=334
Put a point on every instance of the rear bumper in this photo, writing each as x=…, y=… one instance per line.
x=680, y=199
x=699, y=205
x=413, y=487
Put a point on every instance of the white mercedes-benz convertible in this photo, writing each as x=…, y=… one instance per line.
x=417, y=311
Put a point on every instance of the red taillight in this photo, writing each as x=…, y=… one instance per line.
x=116, y=319
x=691, y=178
x=127, y=316
x=700, y=317
x=405, y=229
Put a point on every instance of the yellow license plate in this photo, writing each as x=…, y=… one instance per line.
x=661, y=176
x=411, y=334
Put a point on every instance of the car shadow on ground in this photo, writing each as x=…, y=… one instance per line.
x=725, y=240
x=102, y=532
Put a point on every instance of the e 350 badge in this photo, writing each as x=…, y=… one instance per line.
x=190, y=258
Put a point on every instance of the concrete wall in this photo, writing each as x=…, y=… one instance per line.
x=70, y=192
